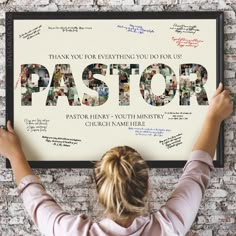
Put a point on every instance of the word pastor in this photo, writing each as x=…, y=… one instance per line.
x=62, y=83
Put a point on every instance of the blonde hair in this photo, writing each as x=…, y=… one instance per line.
x=122, y=182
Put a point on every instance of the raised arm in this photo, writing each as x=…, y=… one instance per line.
x=183, y=204
x=42, y=208
x=220, y=108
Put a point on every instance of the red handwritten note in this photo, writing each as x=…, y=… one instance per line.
x=183, y=42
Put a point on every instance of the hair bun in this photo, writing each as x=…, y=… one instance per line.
x=121, y=178
x=115, y=163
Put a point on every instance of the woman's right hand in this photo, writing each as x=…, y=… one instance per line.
x=221, y=105
x=10, y=146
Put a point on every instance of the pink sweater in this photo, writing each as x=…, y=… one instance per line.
x=174, y=218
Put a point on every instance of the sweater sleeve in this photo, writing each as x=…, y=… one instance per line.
x=182, y=206
x=46, y=213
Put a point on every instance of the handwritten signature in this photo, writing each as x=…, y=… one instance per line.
x=69, y=28
x=31, y=33
x=155, y=132
x=192, y=29
x=172, y=141
x=135, y=29
x=183, y=42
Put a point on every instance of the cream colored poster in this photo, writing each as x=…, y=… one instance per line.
x=83, y=86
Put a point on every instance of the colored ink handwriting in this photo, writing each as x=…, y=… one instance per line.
x=183, y=42
x=154, y=132
x=135, y=29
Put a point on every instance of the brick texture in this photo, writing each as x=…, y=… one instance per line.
x=74, y=189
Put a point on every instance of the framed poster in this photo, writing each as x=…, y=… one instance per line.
x=80, y=83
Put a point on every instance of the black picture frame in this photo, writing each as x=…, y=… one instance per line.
x=11, y=16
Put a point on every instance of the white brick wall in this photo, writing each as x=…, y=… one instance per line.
x=73, y=2
x=75, y=189
x=29, y=2
x=115, y=2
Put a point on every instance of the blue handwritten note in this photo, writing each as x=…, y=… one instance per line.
x=135, y=29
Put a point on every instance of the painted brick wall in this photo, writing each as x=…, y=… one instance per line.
x=74, y=189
